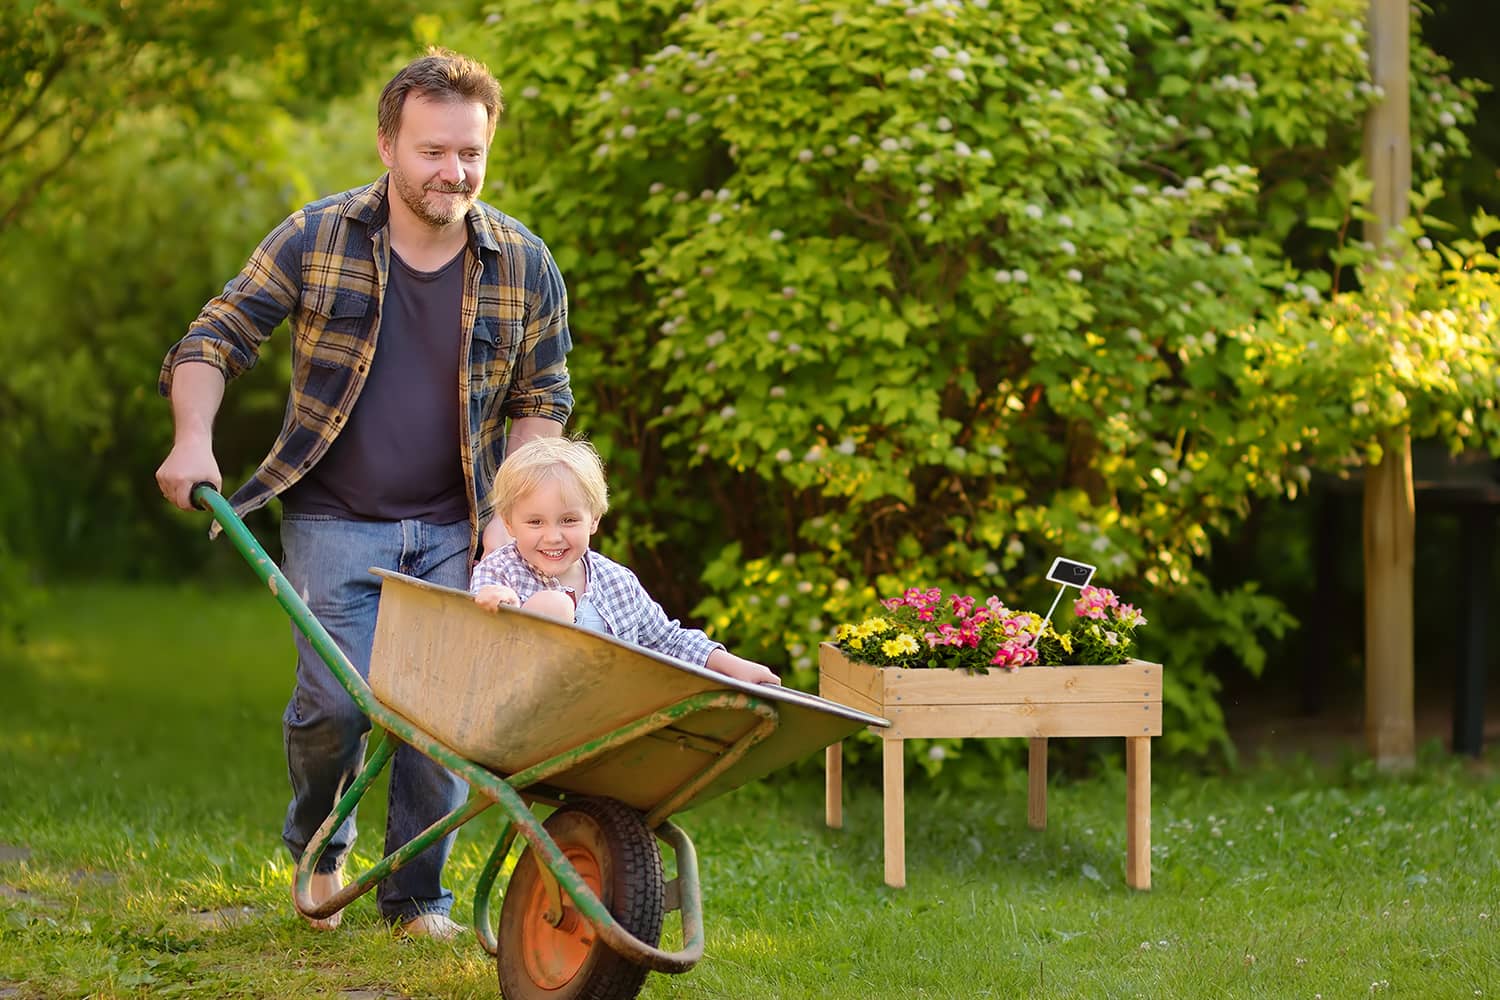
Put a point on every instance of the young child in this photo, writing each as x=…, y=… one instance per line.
x=551, y=494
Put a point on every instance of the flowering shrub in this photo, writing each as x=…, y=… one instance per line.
x=928, y=290
x=923, y=629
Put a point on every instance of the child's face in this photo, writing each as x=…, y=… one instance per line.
x=551, y=526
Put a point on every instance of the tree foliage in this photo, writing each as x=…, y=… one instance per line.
x=71, y=69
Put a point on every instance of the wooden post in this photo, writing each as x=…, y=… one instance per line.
x=1138, y=812
x=1390, y=501
x=893, y=753
x=833, y=785
x=1036, y=784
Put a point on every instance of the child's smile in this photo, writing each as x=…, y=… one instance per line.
x=552, y=527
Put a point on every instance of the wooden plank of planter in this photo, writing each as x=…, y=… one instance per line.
x=1028, y=720
x=1133, y=681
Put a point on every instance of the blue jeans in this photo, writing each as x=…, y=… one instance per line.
x=328, y=560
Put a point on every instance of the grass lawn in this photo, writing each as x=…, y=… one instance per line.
x=142, y=786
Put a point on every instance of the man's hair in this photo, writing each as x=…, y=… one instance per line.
x=440, y=75
x=573, y=461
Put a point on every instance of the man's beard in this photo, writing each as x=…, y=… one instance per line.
x=416, y=200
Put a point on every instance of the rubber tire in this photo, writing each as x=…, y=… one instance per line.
x=632, y=889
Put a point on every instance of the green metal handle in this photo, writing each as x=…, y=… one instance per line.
x=208, y=498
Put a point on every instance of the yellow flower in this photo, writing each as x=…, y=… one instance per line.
x=872, y=626
x=843, y=632
x=1066, y=642
x=898, y=646
x=857, y=643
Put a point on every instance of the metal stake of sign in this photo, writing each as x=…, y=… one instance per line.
x=1067, y=573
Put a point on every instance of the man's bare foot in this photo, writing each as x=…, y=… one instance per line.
x=324, y=885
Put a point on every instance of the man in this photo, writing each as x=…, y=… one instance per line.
x=421, y=320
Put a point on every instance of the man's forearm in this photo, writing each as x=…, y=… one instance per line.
x=197, y=392
x=523, y=429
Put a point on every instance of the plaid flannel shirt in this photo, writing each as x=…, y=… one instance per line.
x=326, y=269
x=629, y=612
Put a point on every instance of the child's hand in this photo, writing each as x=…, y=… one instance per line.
x=492, y=595
x=740, y=668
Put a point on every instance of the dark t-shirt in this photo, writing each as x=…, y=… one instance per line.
x=397, y=457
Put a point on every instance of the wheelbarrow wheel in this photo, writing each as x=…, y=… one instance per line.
x=609, y=845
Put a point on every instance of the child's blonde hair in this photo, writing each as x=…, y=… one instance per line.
x=551, y=458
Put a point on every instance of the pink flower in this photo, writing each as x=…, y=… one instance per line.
x=1013, y=654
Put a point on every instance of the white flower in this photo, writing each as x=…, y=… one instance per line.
x=846, y=446
x=1019, y=276
x=1140, y=190
x=1066, y=221
x=773, y=335
x=1098, y=93
x=925, y=218
x=869, y=165
x=1134, y=335
x=944, y=125
x=940, y=51
x=784, y=455
x=777, y=392
x=1062, y=27
x=1067, y=247
x=889, y=145
x=955, y=74
x=805, y=156
x=715, y=218
x=602, y=149
x=916, y=74
x=794, y=348
x=1033, y=211
x=852, y=140
x=727, y=413
x=715, y=339
x=962, y=148
x=1002, y=276
x=962, y=56
x=693, y=118
x=657, y=187
x=1073, y=274
x=627, y=132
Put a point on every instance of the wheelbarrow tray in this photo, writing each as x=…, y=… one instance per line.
x=511, y=689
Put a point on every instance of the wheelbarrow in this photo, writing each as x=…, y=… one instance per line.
x=534, y=712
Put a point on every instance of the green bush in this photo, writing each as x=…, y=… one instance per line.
x=934, y=292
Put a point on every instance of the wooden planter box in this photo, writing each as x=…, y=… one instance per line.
x=1036, y=703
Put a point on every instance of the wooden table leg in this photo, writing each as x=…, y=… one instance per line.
x=1036, y=784
x=893, y=754
x=833, y=785
x=1138, y=811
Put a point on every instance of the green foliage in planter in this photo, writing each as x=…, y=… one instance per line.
x=873, y=294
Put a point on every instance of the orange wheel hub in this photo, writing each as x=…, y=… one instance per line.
x=553, y=955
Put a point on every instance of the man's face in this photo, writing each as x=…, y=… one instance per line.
x=437, y=158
